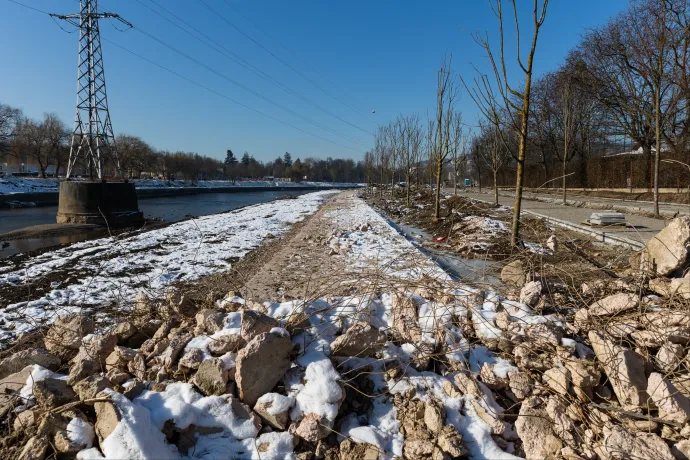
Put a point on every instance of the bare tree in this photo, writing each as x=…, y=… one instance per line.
x=41, y=142
x=492, y=152
x=515, y=102
x=10, y=118
x=446, y=93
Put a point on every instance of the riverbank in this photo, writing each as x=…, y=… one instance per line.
x=27, y=192
x=338, y=338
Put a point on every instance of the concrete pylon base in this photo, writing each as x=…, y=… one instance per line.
x=102, y=203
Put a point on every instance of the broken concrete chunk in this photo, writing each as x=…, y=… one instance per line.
x=191, y=359
x=177, y=344
x=361, y=340
x=64, y=337
x=614, y=304
x=255, y=323
x=584, y=378
x=535, y=429
x=669, y=357
x=212, y=377
x=18, y=361
x=226, y=343
x=274, y=408
x=35, y=448
x=514, y=273
x=531, y=293
x=558, y=379
x=89, y=387
x=53, y=393
x=673, y=406
x=667, y=251
x=624, y=368
x=261, y=364
x=209, y=321
x=107, y=418
x=521, y=384
x=119, y=358
x=620, y=444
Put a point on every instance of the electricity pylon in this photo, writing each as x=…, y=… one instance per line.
x=93, y=131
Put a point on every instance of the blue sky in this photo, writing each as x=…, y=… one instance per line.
x=371, y=55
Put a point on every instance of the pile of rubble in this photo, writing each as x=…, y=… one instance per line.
x=428, y=370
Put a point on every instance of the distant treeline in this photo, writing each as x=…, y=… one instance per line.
x=44, y=145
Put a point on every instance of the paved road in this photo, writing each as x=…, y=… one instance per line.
x=640, y=228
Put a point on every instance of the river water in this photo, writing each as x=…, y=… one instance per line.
x=165, y=209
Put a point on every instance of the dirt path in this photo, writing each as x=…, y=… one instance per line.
x=302, y=263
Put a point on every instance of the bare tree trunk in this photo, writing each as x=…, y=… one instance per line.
x=496, y=187
x=657, y=157
x=437, y=206
x=565, y=163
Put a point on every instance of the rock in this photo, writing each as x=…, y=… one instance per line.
x=514, y=273
x=584, y=378
x=669, y=357
x=521, y=384
x=531, y=293
x=622, y=445
x=624, y=368
x=27, y=418
x=657, y=336
x=312, y=428
x=614, y=304
x=255, y=323
x=261, y=364
x=667, y=251
x=405, y=321
x=535, y=429
x=681, y=450
x=673, y=406
x=545, y=334
x=10, y=387
x=137, y=366
x=35, y=448
x=180, y=303
x=212, y=377
x=191, y=359
x=124, y=331
x=467, y=385
x=135, y=389
x=274, y=408
x=552, y=244
x=81, y=368
x=107, y=418
x=417, y=448
x=117, y=376
x=558, y=379
x=563, y=426
x=451, y=442
x=164, y=329
x=64, y=337
x=97, y=348
x=490, y=417
x=361, y=340
x=53, y=393
x=225, y=344
x=18, y=361
x=490, y=379
x=89, y=387
x=209, y=321
x=119, y=358
x=177, y=344
x=433, y=417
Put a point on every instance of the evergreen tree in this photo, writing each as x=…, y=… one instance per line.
x=230, y=159
x=246, y=159
x=287, y=159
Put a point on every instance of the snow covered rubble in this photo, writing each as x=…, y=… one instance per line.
x=418, y=366
x=111, y=270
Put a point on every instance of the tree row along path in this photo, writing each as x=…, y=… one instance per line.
x=640, y=228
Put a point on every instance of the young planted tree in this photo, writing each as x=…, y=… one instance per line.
x=515, y=102
x=568, y=105
x=446, y=93
x=456, y=149
x=491, y=152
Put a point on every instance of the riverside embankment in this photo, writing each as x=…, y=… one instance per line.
x=333, y=336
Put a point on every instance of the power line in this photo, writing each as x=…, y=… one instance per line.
x=296, y=56
x=278, y=58
x=243, y=63
x=223, y=95
x=237, y=83
x=203, y=86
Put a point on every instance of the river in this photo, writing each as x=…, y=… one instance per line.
x=165, y=209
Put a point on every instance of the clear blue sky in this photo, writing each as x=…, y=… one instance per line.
x=375, y=55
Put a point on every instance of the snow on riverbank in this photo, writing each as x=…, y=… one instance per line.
x=13, y=184
x=113, y=269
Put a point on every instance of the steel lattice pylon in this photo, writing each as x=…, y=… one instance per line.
x=93, y=131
